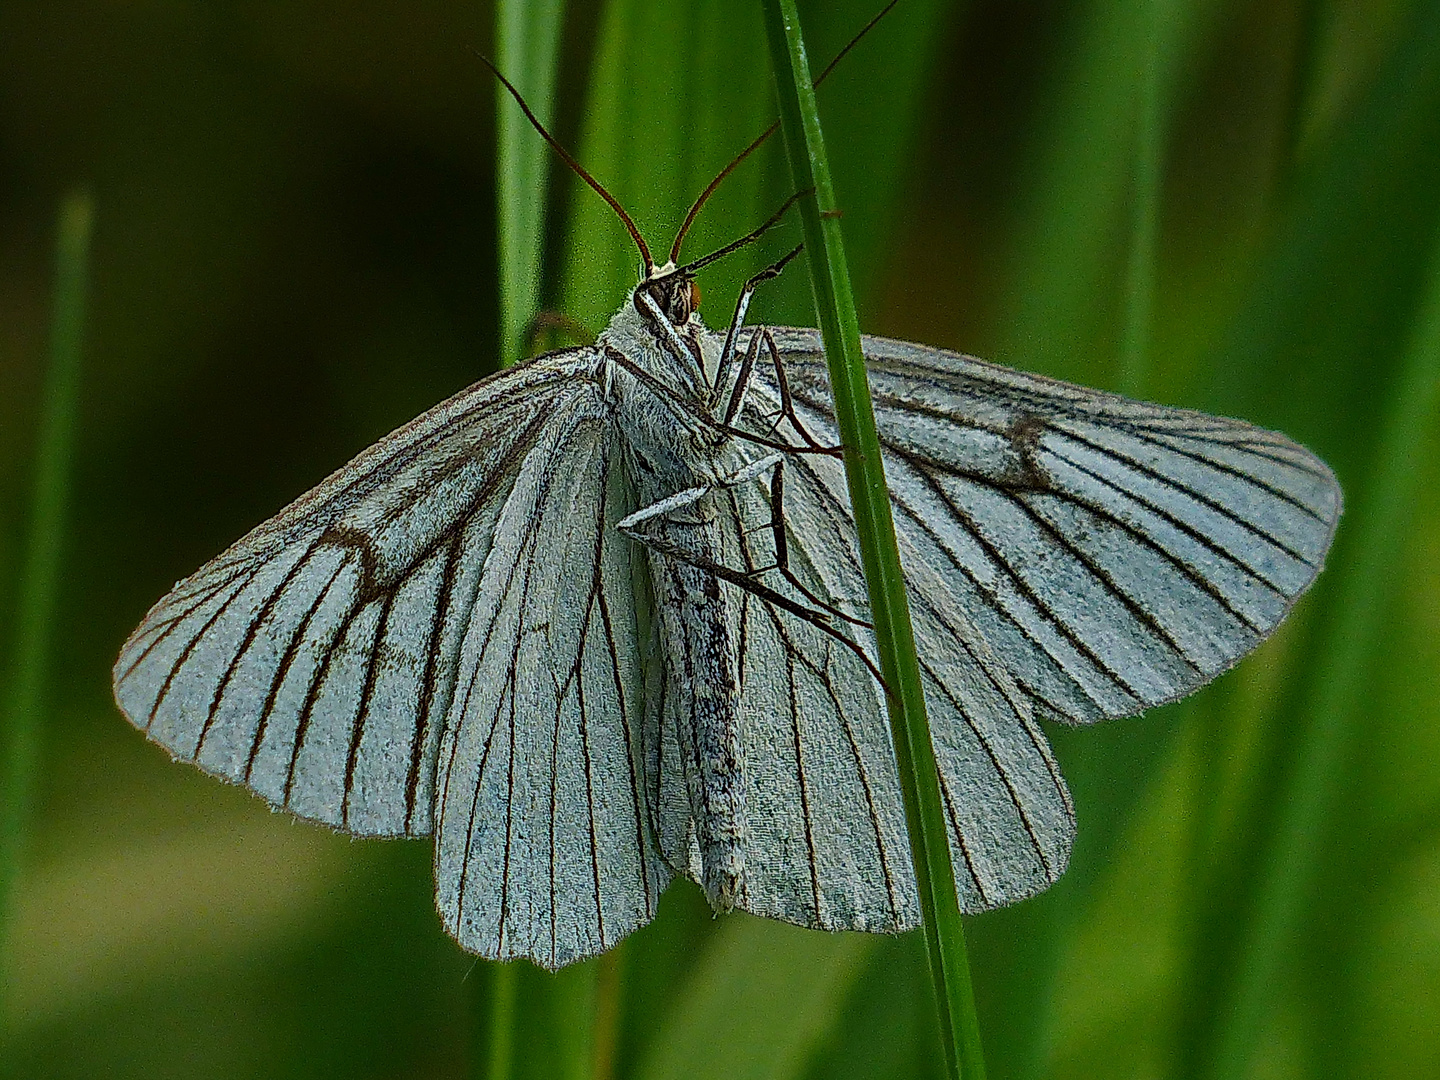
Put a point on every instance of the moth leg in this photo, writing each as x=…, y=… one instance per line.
x=742, y=306
x=787, y=403
x=666, y=507
x=695, y=416
x=782, y=549
x=817, y=613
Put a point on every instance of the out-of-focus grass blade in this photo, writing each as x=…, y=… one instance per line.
x=676, y=90
x=757, y=1003
x=1300, y=100
x=870, y=503
x=1325, y=363
x=529, y=1023
x=40, y=569
x=1067, y=263
x=1144, y=205
x=668, y=105
x=494, y=1003
x=885, y=1026
x=1346, y=658
x=873, y=108
x=1096, y=174
x=527, y=50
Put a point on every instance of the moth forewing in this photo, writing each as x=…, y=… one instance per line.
x=314, y=659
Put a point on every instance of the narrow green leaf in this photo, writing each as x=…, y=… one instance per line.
x=1348, y=653
x=527, y=50
x=553, y=1034
x=499, y=1011
x=1144, y=208
x=1337, y=375
x=768, y=1017
x=40, y=568
x=1069, y=272
x=870, y=500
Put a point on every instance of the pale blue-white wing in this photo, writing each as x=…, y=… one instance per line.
x=314, y=661
x=1113, y=555
x=543, y=848
x=825, y=838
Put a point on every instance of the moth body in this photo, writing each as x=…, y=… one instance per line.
x=563, y=624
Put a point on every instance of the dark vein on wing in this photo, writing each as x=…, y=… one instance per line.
x=1291, y=455
x=1022, y=587
x=250, y=633
x=282, y=670
x=960, y=840
x=1234, y=472
x=317, y=687
x=509, y=827
x=625, y=723
x=1200, y=497
x=863, y=774
x=385, y=462
x=1137, y=611
x=424, y=713
x=170, y=622
x=840, y=518
x=189, y=647
x=362, y=708
x=804, y=789
x=1138, y=536
x=590, y=798
x=1214, y=546
x=989, y=749
x=512, y=669
x=560, y=691
x=794, y=653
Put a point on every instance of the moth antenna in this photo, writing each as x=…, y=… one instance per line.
x=710, y=190
x=689, y=269
x=575, y=166
x=760, y=139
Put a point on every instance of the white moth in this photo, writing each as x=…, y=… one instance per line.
x=599, y=620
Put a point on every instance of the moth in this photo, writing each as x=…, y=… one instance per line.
x=599, y=620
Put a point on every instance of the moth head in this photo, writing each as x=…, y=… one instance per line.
x=676, y=294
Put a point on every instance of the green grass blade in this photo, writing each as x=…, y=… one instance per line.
x=1068, y=270
x=869, y=497
x=494, y=1004
x=1300, y=100
x=527, y=44
x=527, y=50
x=769, y=1021
x=1377, y=532
x=40, y=568
x=1144, y=210
x=1364, y=213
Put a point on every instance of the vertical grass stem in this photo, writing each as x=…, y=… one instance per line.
x=40, y=566
x=870, y=499
x=1144, y=211
x=1368, y=558
x=527, y=50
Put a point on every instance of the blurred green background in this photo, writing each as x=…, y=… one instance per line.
x=1228, y=205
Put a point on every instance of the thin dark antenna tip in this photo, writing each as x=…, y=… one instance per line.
x=575, y=166
x=710, y=190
